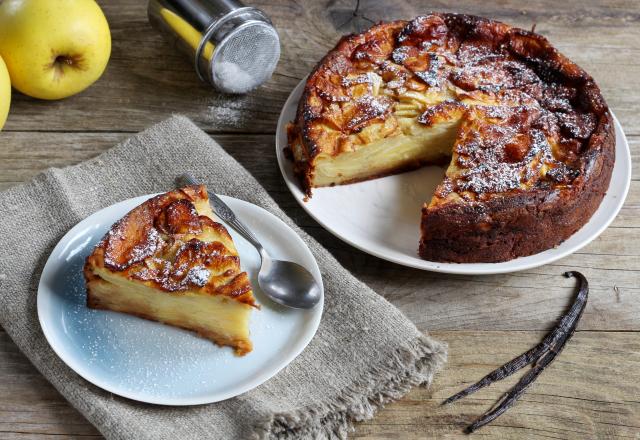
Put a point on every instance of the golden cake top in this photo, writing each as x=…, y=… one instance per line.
x=172, y=243
x=529, y=112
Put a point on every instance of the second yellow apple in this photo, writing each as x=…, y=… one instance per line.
x=5, y=93
x=53, y=49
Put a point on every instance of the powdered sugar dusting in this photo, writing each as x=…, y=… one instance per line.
x=400, y=54
x=150, y=243
x=494, y=177
x=369, y=107
x=145, y=248
x=197, y=276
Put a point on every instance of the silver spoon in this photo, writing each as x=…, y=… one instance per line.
x=285, y=282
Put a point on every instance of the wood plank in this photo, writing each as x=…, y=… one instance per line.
x=580, y=396
x=529, y=300
x=25, y=154
x=147, y=80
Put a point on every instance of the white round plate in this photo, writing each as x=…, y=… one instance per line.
x=155, y=363
x=382, y=216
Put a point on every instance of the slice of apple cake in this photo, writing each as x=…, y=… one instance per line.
x=168, y=260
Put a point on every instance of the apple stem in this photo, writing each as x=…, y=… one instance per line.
x=60, y=61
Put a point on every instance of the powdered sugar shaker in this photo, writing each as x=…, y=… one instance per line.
x=235, y=48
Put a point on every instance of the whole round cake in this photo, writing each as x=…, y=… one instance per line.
x=527, y=136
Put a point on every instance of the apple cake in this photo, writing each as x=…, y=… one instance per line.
x=168, y=260
x=525, y=133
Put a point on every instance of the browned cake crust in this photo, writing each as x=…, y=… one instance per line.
x=480, y=213
x=134, y=244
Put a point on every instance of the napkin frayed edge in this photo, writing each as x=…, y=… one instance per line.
x=413, y=364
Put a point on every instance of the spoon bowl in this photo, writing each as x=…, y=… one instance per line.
x=288, y=283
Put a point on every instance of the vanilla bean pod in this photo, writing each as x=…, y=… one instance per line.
x=542, y=354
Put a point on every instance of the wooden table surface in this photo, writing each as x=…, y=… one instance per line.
x=591, y=391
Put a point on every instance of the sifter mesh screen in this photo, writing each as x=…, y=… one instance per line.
x=246, y=58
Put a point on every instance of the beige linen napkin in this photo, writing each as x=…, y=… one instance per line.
x=365, y=353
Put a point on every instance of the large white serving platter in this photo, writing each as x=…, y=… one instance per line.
x=155, y=363
x=382, y=216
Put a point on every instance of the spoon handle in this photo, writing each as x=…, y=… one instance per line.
x=223, y=211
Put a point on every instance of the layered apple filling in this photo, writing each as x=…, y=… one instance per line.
x=215, y=317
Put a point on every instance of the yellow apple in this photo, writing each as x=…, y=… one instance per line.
x=5, y=93
x=53, y=48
